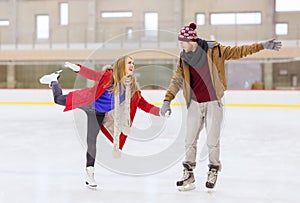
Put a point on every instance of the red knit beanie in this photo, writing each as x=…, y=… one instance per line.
x=188, y=33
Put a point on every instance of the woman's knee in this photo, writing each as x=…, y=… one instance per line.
x=61, y=100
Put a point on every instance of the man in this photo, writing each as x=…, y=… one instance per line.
x=201, y=74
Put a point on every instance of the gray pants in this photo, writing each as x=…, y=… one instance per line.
x=210, y=115
x=94, y=122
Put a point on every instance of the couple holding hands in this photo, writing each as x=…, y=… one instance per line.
x=200, y=73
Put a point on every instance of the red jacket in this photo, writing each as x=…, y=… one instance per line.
x=86, y=96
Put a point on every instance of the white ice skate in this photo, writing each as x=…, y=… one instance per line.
x=90, y=180
x=187, y=181
x=47, y=79
x=72, y=66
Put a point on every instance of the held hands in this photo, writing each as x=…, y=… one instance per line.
x=165, y=110
x=272, y=45
x=72, y=66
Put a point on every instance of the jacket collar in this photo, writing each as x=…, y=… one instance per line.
x=212, y=44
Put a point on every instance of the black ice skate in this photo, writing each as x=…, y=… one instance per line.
x=212, y=177
x=187, y=181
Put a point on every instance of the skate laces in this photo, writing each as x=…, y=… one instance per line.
x=186, y=174
x=90, y=174
x=212, y=176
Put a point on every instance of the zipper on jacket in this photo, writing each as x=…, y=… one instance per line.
x=219, y=51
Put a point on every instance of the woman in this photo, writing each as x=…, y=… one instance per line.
x=110, y=104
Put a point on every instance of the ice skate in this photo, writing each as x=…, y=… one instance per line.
x=212, y=176
x=187, y=181
x=47, y=79
x=90, y=181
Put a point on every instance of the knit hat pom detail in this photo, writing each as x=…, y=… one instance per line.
x=193, y=26
x=188, y=33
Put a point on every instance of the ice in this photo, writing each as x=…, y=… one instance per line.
x=43, y=158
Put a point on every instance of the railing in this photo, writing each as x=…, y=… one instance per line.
x=78, y=38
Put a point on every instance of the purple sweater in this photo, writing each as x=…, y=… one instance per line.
x=201, y=84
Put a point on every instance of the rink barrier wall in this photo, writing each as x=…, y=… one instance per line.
x=232, y=98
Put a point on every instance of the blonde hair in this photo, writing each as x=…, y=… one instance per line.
x=119, y=75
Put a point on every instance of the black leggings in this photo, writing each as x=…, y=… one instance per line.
x=94, y=121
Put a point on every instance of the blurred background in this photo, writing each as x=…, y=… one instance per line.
x=37, y=36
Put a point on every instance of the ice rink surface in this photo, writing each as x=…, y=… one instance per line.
x=43, y=159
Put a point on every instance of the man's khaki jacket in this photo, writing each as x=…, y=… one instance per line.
x=217, y=54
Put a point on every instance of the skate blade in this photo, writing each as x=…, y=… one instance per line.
x=93, y=187
x=187, y=187
x=210, y=190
